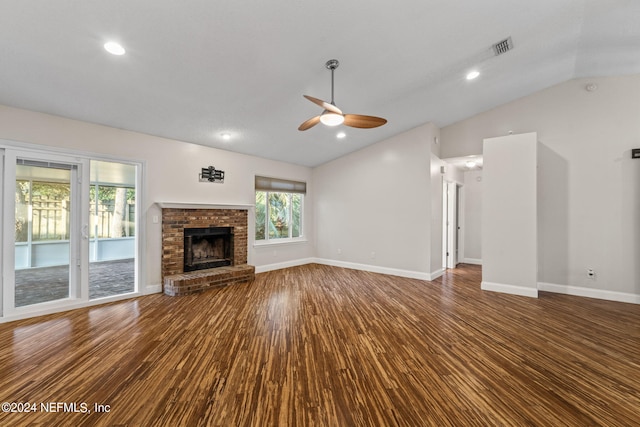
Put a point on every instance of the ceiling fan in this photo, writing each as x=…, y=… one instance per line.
x=333, y=116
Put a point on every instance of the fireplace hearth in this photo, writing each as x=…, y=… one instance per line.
x=203, y=248
x=208, y=247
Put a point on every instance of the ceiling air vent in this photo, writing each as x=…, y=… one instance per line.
x=503, y=46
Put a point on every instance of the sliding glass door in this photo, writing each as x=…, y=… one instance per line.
x=69, y=231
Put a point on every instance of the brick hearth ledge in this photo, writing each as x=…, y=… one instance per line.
x=178, y=216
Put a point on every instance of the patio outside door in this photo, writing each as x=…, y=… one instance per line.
x=69, y=231
x=42, y=241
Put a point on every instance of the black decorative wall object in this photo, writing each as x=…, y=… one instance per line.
x=211, y=174
x=635, y=153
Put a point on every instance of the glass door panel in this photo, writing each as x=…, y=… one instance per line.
x=112, y=229
x=44, y=198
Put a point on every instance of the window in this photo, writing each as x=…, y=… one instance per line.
x=279, y=209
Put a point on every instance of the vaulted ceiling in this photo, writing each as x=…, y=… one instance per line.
x=197, y=69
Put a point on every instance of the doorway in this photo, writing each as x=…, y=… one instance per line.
x=451, y=193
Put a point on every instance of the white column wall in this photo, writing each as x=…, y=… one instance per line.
x=509, y=215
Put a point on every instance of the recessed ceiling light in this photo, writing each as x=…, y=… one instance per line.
x=473, y=75
x=341, y=135
x=471, y=164
x=226, y=136
x=114, y=48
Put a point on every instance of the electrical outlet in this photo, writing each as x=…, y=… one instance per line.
x=591, y=274
x=339, y=251
x=373, y=255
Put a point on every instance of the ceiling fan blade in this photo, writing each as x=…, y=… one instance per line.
x=323, y=104
x=363, y=122
x=310, y=123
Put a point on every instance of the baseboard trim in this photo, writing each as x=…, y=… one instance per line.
x=509, y=289
x=286, y=264
x=375, y=269
x=436, y=274
x=474, y=261
x=153, y=289
x=354, y=266
x=589, y=293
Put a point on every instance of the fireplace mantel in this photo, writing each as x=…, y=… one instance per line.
x=188, y=205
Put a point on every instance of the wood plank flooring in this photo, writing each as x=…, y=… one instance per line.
x=324, y=346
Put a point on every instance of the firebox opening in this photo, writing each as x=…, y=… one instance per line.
x=207, y=247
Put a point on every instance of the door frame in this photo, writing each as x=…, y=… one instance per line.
x=452, y=218
x=80, y=298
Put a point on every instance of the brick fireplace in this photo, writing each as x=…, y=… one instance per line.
x=178, y=217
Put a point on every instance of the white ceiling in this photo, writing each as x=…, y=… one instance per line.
x=197, y=68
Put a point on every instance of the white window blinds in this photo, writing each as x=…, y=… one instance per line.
x=277, y=185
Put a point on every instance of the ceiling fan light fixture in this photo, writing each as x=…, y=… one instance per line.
x=333, y=116
x=331, y=119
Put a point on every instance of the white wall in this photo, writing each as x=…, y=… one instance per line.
x=589, y=187
x=472, y=214
x=172, y=169
x=373, y=207
x=509, y=215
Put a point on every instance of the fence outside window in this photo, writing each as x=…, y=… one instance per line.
x=46, y=217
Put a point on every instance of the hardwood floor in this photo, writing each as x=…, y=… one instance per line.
x=325, y=346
